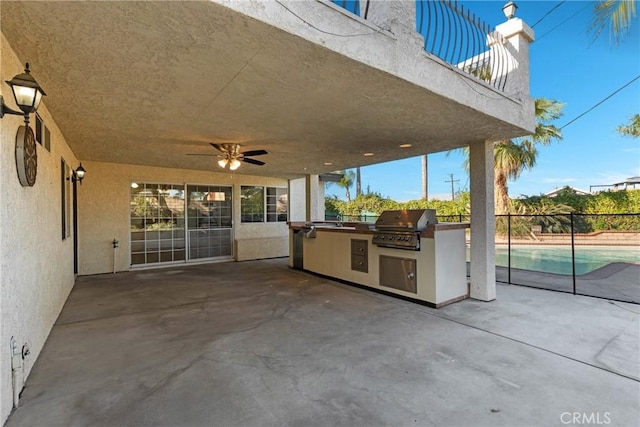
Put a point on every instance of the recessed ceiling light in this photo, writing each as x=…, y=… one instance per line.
x=328, y=163
x=134, y=185
x=405, y=145
x=368, y=154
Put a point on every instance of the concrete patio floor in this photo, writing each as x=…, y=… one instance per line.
x=257, y=344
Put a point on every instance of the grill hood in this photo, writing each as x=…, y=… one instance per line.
x=406, y=220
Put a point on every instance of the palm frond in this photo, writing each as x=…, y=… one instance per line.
x=632, y=129
x=615, y=15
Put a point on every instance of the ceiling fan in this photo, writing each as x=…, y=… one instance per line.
x=231, y=156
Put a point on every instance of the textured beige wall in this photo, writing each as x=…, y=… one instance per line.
x=103, y=209
x=36, y=265
x=297, y=200
x=262, y=247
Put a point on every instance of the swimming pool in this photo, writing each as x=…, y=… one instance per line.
x=557, y=259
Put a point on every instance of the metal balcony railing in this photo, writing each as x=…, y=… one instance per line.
x=357, y=7
x=457, y=36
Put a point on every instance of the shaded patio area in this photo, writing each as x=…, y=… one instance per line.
x=255, y=344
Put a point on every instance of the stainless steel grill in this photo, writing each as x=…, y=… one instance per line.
x=401, y=228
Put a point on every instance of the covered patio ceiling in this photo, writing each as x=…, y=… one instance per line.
x=149, y=82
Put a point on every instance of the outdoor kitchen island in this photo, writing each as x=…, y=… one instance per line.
x=426, y=264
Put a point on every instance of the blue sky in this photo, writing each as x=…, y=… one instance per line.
x=566, y=65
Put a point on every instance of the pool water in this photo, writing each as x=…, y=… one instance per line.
x=557, y=259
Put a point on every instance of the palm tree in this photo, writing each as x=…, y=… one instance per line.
x=616, y=14
x=346, y=182
x=358, y=182
x=632, y=129
x=512, y=157
x=510, y=160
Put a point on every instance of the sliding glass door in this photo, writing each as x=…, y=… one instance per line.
x=168, y=227
x=209, y=221
x=157, y=223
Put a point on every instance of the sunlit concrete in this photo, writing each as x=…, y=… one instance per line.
x=256, y=343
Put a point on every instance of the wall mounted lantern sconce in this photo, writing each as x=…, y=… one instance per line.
x=78, y=174
x=27, y=94
x=509, y=9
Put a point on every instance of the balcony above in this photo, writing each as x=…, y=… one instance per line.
x=310, y=82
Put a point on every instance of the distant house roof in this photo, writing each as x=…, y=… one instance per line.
x=555, y=192
x=629, y=181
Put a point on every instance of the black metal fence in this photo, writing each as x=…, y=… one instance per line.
x=583, y=254
x=457, y=36
x=357, y=7
x=594, y=255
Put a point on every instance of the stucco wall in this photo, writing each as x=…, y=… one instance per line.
x=390, y=43
x=36, y=265
x=297, y=205
x=103, y=209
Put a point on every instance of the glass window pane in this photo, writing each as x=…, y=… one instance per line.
x=157, y=222
x=252, y=204
x=277, y=204
x=209, y=214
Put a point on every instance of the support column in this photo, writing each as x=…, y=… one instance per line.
x=312, y=208
x=483, y=250
x=425, y=176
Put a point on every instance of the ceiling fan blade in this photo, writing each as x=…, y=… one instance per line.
x=198, y=154
x=255, y=152
x=217, y=147
x=253, y=161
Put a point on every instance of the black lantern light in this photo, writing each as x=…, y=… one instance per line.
x=27, y=94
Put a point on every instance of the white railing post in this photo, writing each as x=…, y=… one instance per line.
x=517, y=37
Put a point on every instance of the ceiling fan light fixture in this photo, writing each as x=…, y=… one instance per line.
x=223, y=163
x=234, y=164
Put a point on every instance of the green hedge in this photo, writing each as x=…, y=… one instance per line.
x=592, y=212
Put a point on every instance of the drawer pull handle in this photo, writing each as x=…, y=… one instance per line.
x=411, y=276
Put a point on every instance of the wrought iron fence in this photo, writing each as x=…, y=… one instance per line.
x=594, y=255
x=583, y=254
x=457, y=36
x=335, y=216
x=357, y=7
x=453, y=218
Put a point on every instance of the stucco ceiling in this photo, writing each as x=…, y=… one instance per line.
x=148, y=82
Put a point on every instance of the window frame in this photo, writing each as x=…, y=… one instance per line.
x=269, y=210
x=65, y=198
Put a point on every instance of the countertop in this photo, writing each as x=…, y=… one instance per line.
x=367, y=228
